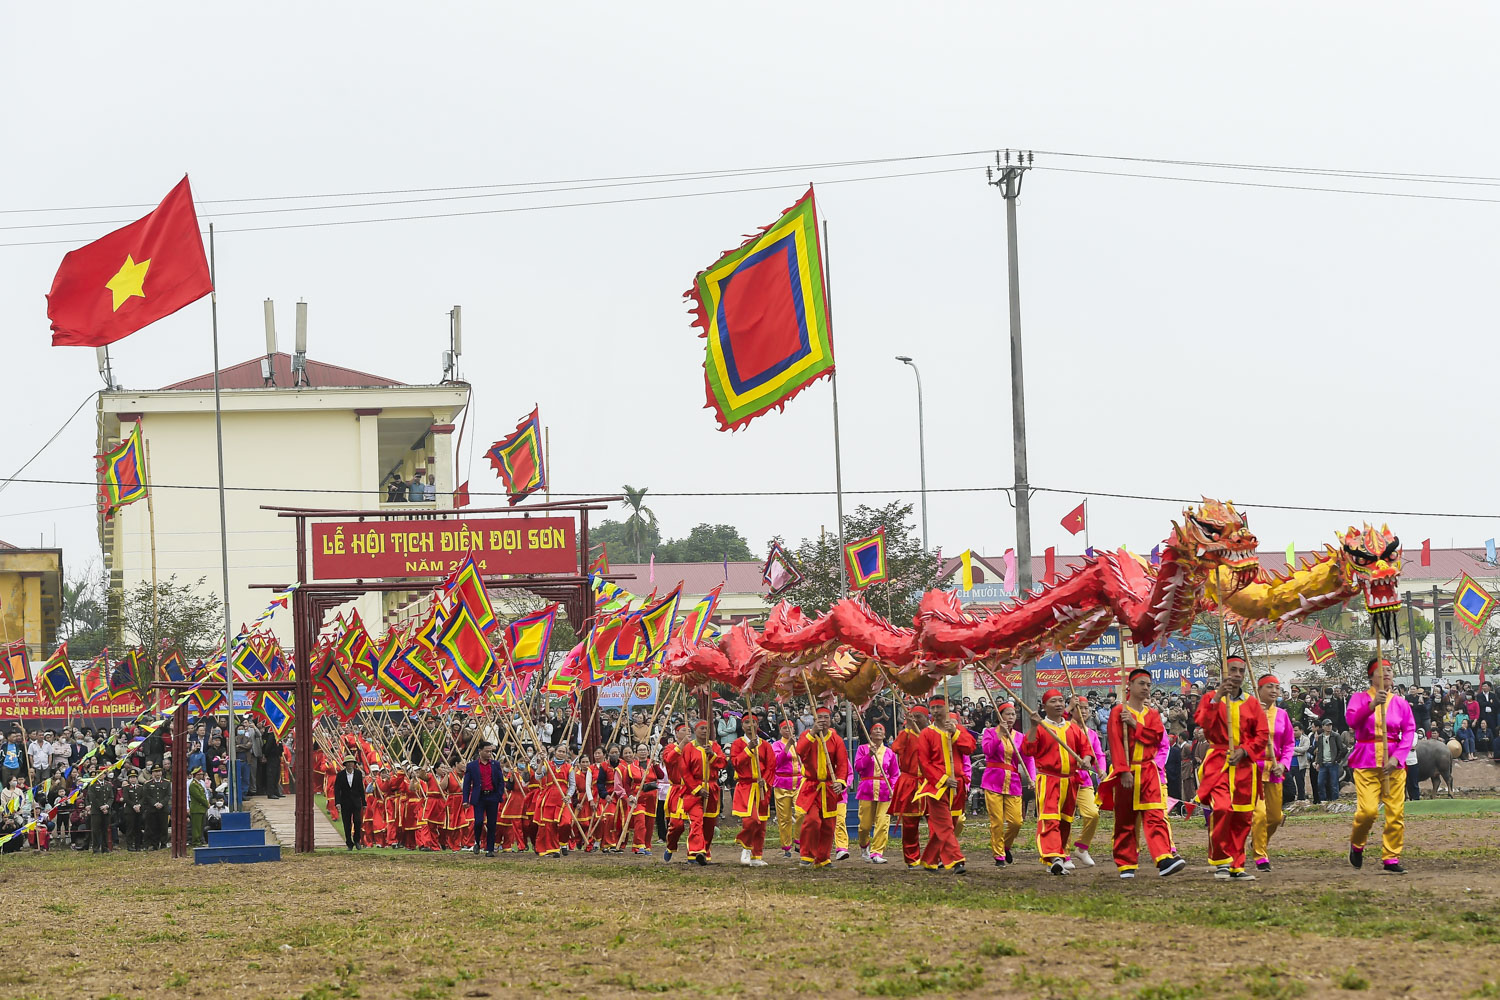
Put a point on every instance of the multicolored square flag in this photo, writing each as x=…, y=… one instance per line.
x=528, y=638
x=122, y=478
x=57, y=676
x=518, y=459
x=17, y=664
x=866, y=559
x=1320, y=649
x=779, y=573
x=763, y=310
x=1472, y=604
x=131, y=278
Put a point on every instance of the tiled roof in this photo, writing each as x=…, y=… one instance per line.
x=697, y=578
x=246, y=375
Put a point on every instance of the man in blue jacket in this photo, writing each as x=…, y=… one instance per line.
x=484, y=787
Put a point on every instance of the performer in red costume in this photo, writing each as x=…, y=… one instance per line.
x=643, y=812
x=433, y=812
x=908, y=747
x=458, y=822
x=512, y=816
x=552, y=810
x=671, y=758
x=702, y=760
x=1235, y=726
x=1049, y=744
x=944, y=785
x=754, y=766
x=1133, y=789
x=825, y=776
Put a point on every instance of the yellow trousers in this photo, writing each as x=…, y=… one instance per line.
x=841, y=829
x=788, y=817
x=1005, y=821
x=1373, y=789
x=874, y=825
x=1267, y=818
x=1086, y=820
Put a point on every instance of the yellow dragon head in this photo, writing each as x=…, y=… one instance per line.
x=1372, y=564
x=1215, y=534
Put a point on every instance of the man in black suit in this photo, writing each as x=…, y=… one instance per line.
x=484, y=787
x=349, y=796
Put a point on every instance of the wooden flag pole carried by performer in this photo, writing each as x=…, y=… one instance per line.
x=1034, y=718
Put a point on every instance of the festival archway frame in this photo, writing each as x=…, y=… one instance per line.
x=312, y=599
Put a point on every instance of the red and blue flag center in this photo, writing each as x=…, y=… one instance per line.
x=769, y=335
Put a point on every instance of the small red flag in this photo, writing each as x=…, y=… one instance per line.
x=1074, y=519
x=461, y=496
x=1049, y=565
x=1426, y=552
x=131, y=278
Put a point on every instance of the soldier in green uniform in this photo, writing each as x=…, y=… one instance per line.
x=197, y=807
x=100, y=798
x=158, y=794
x=134, y=809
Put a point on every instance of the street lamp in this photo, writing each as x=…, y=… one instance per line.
x=921, y=444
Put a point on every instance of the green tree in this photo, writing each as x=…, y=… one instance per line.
x=912, y=571
x=614, y=535
x=186, y=617
x=85, y=615
x=707, y=543
x=640, y=524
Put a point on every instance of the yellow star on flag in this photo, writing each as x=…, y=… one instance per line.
x=129, y=280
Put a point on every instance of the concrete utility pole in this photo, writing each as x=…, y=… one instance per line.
x=1007, y=175
x=1437, y=637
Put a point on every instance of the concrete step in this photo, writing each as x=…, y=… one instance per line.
x=236, y=838
x=235, y=855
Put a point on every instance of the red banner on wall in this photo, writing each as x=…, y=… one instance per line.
x=514, y=546
x=1046, y=677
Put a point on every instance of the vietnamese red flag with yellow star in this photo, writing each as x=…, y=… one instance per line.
x=131, y=278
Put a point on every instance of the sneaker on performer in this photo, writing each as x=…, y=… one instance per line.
x=864, y=854
x=1357, y=857
x=1262, y=865
x=1392, y=868
x=841, y=855
x=999, y=862
x=1240, y=875
x=1171, y=865
x=1068, y=865
x=666, y=855
x=786, y=852
x=1221, y=871
x=1083, y=856
x=876, y=858
x=804, y=863
x=757, y=863
x=1128, y=873
x=745, y=857
x=1058, y=868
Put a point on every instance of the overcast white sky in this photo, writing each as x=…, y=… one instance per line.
x=1269, y=346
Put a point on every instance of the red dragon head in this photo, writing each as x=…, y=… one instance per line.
x=1215, y=534
x=1372, y=564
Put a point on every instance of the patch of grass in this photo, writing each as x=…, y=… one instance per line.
x=1127, y=971
x=1038, y=984
x=60, y=908
x=1271, y=983
x=1169, y=991
x=627, y=980
x=177, y=979
x=1488, y=988
x=918, y=976
x=1352, y=980
x=998, y=949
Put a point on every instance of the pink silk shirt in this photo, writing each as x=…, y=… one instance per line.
x=1002, y=763
x=864, y=767
x=1283, y=742
x=788, y=766
x=1380, y=734
x=1084, y=781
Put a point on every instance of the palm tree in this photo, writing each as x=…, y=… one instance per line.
x=641, y=519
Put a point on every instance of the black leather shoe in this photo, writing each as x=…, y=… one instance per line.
x=1356, y=857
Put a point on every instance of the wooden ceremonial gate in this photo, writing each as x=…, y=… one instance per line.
x=312, y=599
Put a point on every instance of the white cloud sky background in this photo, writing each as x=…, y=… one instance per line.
x=1262, y=345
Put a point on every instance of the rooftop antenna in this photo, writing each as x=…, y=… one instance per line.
x=267, y=367
x=455, y=344
x=105, y=372
x=299, y=360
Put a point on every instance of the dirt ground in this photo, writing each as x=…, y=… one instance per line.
x=385, y=924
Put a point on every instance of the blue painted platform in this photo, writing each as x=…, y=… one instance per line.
x=237, y=843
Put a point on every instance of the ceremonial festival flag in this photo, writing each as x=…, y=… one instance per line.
x=600, y=563
x=1489, y=551
x=355, y=649
x=338, y=688
x=1156, y=555
x=171, y=667
x=518, y=459
x=122, y=675
x=131, y=278
x=57, y=675
x=1426, y=552
x=467, y=649
x=466, y=586
x=92, y=682
x=461, y=496
x=1320, y=649
x=866, y=560
x=967, y=558
x=528, y=638
x=761, y=308
x=121, y=479
x=1076, y=519
x=1472, y=604
x=1049, y=565
x=1291, y=554
x=17, y=667
x=656, y=621
x=1011, y=582
x=700, y=619
x=779, y=573
x=610, y=649
x=395, y=677
x=276, y=709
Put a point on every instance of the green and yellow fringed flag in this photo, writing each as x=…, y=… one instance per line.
x=122, y=477
x=763, y=311
x=93, y=683
x=57, y=676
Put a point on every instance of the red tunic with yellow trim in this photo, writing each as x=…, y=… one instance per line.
x=1242, y=723
x=671, y=759
x=824, y=761
x=1056, y=769
x=1133, y=752
x=938, y=759
x=648, y=788
x=752, y=768
x=552, y=798
x=699, y=768
x=517, y=796
x=908, y=748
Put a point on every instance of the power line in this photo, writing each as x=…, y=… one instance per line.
x=1314, y=171
x=6, y=482
x=709, y=494
x=541, y=208
x=619, y=178
x=1224, y=181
